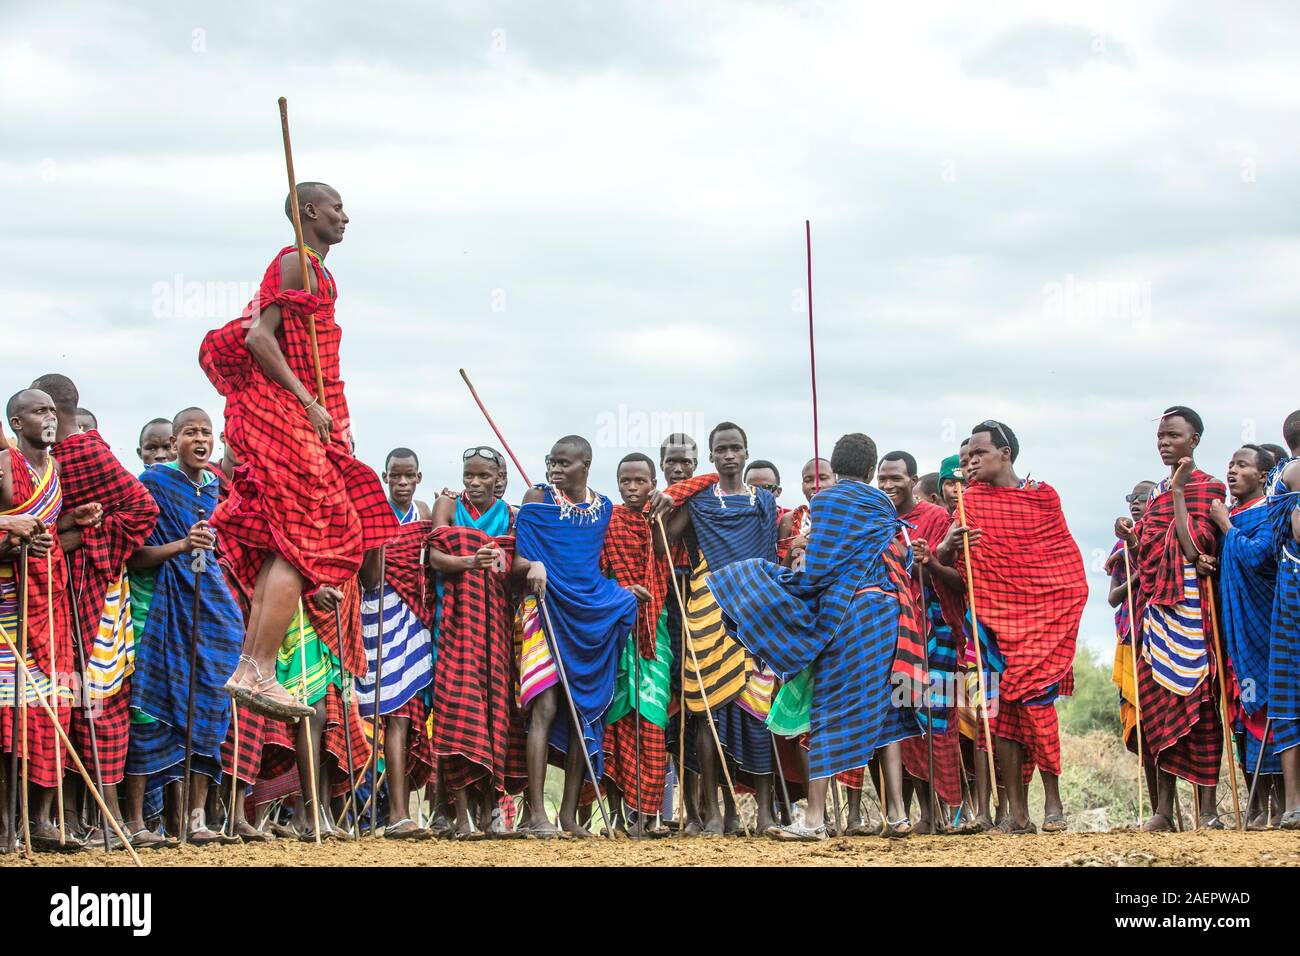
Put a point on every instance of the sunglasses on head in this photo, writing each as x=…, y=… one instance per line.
x=996, y=426
x=482, y=451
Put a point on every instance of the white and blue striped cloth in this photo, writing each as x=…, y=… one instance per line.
x=1174, y=639
x=408, y=653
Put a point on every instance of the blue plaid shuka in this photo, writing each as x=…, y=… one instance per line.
x=842, y=613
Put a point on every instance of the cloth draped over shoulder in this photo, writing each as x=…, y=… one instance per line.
x=312, y=503
x=90, y=472
x=1247, y=579
x=591, y=615
x=841, y=612
x=1284, y=644
x=1029, y=582
x=477, y=728
x=631, y=557
x=160, y=685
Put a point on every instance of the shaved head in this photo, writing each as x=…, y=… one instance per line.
x=184, y=415
x=61, y=389
x=309, y=193
x=20, y=400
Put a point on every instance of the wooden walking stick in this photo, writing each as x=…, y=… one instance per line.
x=812, y=359
x=198, y=564
x=501, y=438
x=82, y=659
x=347, y=708
x=924, y=611
x=302, y=248
x=1259, y=764
x=636, y=656
x=23, y=796
x=21, y=663
x=975, y=636
x=54, y=688
x=708, y=712
x=306, y=727
x=1221, y=666
x=1134, y=632
x=681, y=723
x=234, y=773
x=379, y=687
x=553, y=641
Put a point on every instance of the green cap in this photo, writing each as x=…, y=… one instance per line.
x=950, y=470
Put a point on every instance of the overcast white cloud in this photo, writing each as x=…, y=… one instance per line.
x=597, y=209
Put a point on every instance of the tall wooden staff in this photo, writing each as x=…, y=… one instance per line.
x=1259, y=764
x=20, y=661
x=1220, y=663
x=54, y=668
x=197, y=565
x=708, y=712
x=501, y=438
x=234, y=775
x=90, y=710
x=347, y=710
x=375, y=718
x=812, y=359
x=929, y=704
x=22, y=705
x=975, y=636
x=1134, y=631
x=311, y=749
x=302, y=248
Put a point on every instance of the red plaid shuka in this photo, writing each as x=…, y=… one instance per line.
x=631, y=557
x=478, y=730
x=90, y=472
x=252, y=740
x=798, y=518
x=347, y=647
x=407, y=573
x=314, y=504
x=1182, y=735
x=42, y=740
x=279, y=769
x=1029, y=582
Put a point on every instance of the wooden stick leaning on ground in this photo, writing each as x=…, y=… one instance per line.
x=234, y=775
x=375, y=718
x=23, y=795
x=1134, y=634
x=54, y=668
x=975, y=636
x=347, y=708
x=306, y=727
x=695, y=661
x=198, y=565
x=1259, y=763
x=302, y=248
x=90, y=710
x=554, y=644
x=21, y=663
x=1220, y=663
x=928, y=691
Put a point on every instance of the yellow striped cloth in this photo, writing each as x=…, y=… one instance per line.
x=112, y=654
x=726, y=670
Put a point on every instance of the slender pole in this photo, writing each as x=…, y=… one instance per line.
x=347, y=712
x=554, y=643
x=636, y=655
x=780, y=775
x=1134, y=633
x=234, y=773
x=197, y=565
x=501, y=438
x=835, y=802
x=311, y=755
x=1259, y=764
x=975, y=636
x=21, y=663
x=22, y=708
x=812, y=360
x=681, y=719
x=924, y=611
x=379, y=686
x=90, y=710
x=54, y=667
x=708, y=711
x=1221, y=666
x=302, y=248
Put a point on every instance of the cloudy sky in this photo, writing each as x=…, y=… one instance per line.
x=1068, y=222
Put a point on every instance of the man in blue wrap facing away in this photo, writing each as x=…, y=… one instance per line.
x=560, y=533
x=842, y=614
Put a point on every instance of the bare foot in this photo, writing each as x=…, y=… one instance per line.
x=1157, y=823
x=712, y=828
x=575, y=829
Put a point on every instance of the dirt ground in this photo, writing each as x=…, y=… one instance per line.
x=1272, y=848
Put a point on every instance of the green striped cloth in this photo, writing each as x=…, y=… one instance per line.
x=656, y=679
x=142, y=585
x=323, y=667
x=791, y=713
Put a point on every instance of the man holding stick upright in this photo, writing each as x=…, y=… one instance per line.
x=301, y=511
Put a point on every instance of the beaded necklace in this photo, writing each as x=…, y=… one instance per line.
x=746, y=489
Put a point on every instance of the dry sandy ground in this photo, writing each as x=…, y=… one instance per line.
x=1272, y=848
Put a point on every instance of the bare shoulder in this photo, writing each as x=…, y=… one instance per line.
x=291, y=272
x=532, y=496
x=423, y=509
